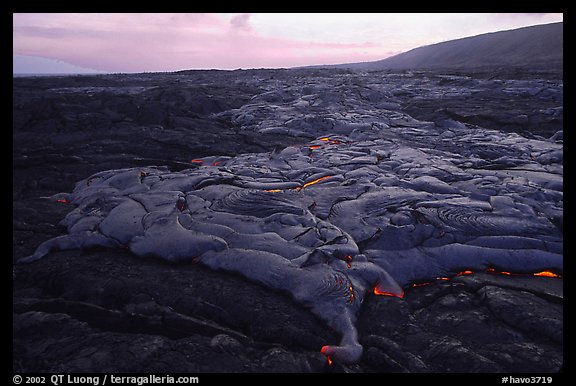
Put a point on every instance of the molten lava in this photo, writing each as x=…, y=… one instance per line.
x=312, y=182
x=62, y=201
x=352, y=296
x=299, y=188
x=490, y=270
x=547, y=274
x=181, y=204
x=349, y=261
x=542, y=273
x=332, y=141
x=381, y=292
x=324, y=350
x=414, y=285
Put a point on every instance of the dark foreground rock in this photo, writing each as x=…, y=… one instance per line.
x=107, y=310
x=103, y=311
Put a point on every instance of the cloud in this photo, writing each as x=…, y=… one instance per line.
x=167, y=42
x=241, y=22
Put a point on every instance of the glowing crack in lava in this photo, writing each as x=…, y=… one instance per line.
x=313, y=182
x=332, y=141
x=299, y=188
x=488, y=270
x=376, y=216
x=382, y=292
x=349, y=261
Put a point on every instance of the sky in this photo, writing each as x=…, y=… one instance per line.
x=107, y=42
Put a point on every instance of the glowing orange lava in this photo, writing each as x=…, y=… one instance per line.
x=62, y=201
x=542, y=273
x=299, y=188
x=546, y=274
x=352, y=295
x=315, y=147
x=380, y=292
x=324, y=350
x=490, y=270
x=332, y=141
x=314, y=182
x=197, y=161
x=349, y=261
x=414, y=285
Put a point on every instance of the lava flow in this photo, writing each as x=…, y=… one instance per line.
x=299, y=188
x=312, y=182
x=324, y=350
x=332, y=141
x=547, y=274
x=324, y=139
x=349, y=261
x=542, y=273
x=181, y=204
x=490, y=270
x=380, y=292
x=352, y=296
x=201, y=162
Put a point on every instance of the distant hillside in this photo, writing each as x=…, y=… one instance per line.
x=34, y=65
x=536, y=46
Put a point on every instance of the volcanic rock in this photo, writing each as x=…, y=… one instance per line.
x=293, y=197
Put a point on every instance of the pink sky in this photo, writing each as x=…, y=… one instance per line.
x=170, y=42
